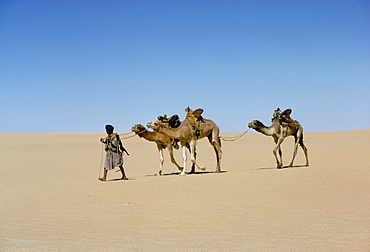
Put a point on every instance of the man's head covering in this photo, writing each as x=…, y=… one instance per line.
x=109, y=128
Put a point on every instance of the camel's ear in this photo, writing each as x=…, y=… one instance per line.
x=197, y=112
x=287, y=112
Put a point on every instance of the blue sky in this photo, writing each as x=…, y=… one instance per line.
x=72, y=66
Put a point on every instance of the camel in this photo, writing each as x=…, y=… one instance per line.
x=174, y=122
x=282, y=126
x=194, y=127
x=162, y=142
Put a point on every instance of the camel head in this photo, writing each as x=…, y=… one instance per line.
x=196, y=113
x=256, y=125
x=188, y=111
x=156, y=125
x=138, y=128
x=194, y=116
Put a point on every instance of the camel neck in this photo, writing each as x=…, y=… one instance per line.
x=146, y=134
x=173, y=133
x=269, y=131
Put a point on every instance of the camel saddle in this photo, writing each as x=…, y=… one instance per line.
x=173, y=121
x=284, y=117
x=286, y=120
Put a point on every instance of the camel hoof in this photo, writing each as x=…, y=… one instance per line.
x=160, y=173
x=202, y=168
x=182, y=173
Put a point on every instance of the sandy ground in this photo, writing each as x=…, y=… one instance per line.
x=51, y=199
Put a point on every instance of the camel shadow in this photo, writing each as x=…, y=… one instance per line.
x=282, y=168
x=267, y=168
x=118, y=179
x=299, y=166
x=205, y=172
x=164, y=174
x=189, y=173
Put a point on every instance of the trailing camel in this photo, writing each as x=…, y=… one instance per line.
x=194, y=127
x=282, y=126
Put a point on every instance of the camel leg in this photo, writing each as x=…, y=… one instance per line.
x=279, y=163
x=303, y=147
x=281, y=155
x=218, y=159
x=294, y=152
x=217, y=147
x=183, y=147
x=195, y=156
x=305, y=153
x=193, y=159
x=299, y=140
x=161, y=161
x=170, y=150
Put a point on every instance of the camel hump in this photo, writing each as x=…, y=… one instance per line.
x=287, y=112
x=197, y=112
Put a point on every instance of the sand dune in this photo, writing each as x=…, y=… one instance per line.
x=51, y=199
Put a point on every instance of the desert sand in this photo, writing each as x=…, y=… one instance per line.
x=52, y=200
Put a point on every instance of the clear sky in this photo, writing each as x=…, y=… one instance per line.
x=72, y=66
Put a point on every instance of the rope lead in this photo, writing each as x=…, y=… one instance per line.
x=234, y=138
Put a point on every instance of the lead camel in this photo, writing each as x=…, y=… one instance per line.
x=162, y=142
